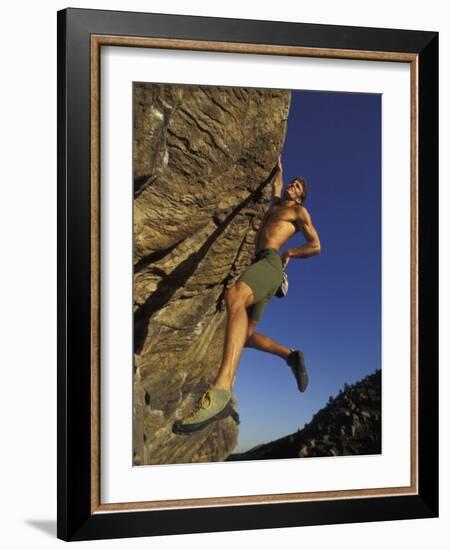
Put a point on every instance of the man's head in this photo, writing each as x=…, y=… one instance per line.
x=296, y=190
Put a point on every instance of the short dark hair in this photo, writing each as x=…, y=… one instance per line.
x=304, y=187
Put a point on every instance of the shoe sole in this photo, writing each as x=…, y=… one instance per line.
x=299, y=371
x=228, y=410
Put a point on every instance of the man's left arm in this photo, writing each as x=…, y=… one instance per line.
x=312, y=247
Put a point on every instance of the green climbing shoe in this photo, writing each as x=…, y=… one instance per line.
x=213, y=405
x=296, y=361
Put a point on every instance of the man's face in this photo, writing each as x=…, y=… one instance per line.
x=294, y=191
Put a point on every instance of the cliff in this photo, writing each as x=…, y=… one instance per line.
x=204, y=161
x=350, y=424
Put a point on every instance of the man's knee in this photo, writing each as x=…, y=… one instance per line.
x=238, y=295
x=250, y=332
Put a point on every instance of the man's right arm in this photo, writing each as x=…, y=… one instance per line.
x=277, y=184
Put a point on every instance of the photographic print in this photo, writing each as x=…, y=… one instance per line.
x=245, y=307
x=257, y=273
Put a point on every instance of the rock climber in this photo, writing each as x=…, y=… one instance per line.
x=248, y=296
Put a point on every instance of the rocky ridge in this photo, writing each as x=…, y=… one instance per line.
x=350, y=424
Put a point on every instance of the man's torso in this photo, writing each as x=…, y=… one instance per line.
x=277, y=226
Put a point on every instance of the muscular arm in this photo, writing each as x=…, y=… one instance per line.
x=277, y=185
x=312, y=245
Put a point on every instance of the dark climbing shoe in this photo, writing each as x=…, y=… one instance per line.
x=296, y=361
x=213, y=405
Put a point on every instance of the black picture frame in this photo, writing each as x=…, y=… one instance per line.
x=76, y=518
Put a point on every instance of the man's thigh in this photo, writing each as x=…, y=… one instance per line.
x=244, y=291
x=256, y=310
x=262, y=278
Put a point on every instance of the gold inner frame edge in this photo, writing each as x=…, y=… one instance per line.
x=211, y=46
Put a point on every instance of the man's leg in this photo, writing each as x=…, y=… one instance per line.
x=237, y=299
x=294, y=358
x=261, y=342
x=215, y=403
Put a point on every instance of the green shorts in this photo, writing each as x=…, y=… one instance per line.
x=263, y=276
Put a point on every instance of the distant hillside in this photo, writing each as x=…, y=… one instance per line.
x=349, y=424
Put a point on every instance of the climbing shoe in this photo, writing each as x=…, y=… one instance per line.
x=296, y=361
x=213, y=405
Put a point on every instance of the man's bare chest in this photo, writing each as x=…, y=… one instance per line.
x=280, y=215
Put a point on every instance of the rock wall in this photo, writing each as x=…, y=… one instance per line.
x=350, y=424
x=204, y=161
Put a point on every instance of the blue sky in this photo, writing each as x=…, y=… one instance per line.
x=333, y=308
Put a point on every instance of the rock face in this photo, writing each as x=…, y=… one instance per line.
x=204, y=161
x=350, y=424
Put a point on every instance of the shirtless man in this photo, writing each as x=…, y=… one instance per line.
x=247, y=298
